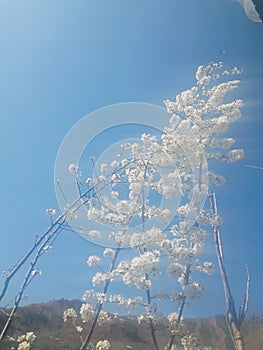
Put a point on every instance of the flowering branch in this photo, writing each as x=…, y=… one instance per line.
x=173, y=167
x=100, y=304
x=181, y=308
x=40, y=247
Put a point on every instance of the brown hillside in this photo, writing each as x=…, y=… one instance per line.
x=46, y=321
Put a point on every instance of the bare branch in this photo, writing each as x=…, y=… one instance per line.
x=233, y=322
x=244, y=309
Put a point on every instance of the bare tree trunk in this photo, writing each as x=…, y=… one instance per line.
x=234, y=321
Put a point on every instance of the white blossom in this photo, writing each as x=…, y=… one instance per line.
x=140, y=318
x=24, y=346
x=173, y=319
x=152, y=237
x=86, y=312
x=200, y=73
x=135, y=271
x=103, y=317
x=25, y=341
x=73, y=168
x=207, y=267
x=120, y=238
x=127, y=302
x=51, y=212
x=30, y=337
x=108, y=251
x=114, y=194
x=94, y=234
x=69, y=314
x=88, y=180
x=100, y=279
x=79, y=329
x=176, y=270
x=103, y=345
x=234, y=155
x=94, y=260
x=193, y=290
x=91, y=295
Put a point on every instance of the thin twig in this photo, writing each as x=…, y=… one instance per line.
x=38, y=246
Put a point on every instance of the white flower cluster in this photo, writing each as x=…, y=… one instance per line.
x=105, y=214
x=207, y=267
x=69, y=315
x=135, y=272
x=94, y=260
x=103, y=317
x=184, y=248
x=50, y=212
x=153, y=315
x=103, y=345
x=193, y=290
x=190, y=342
x=91, y=296
x=25, y=341
x=183, y=251
x=206, y=218
x=152, y=237
x=120, y=238
x=173, y=319
x=176, y=271
x=74, y=169
x=100, y=279
x=170, y=185
x=127, y=302
x=201, y=109
x=175, y=322
x=108, y=252
x=94, y=235
x=87, y=312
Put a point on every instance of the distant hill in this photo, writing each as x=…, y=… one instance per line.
x=46, y=321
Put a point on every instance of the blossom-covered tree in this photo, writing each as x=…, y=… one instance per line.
x=173, y=167
x=151, y=199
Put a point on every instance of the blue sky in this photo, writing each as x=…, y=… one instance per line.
x=60, y=61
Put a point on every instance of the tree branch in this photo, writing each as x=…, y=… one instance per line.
x=244, y=309
x=233, y=322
